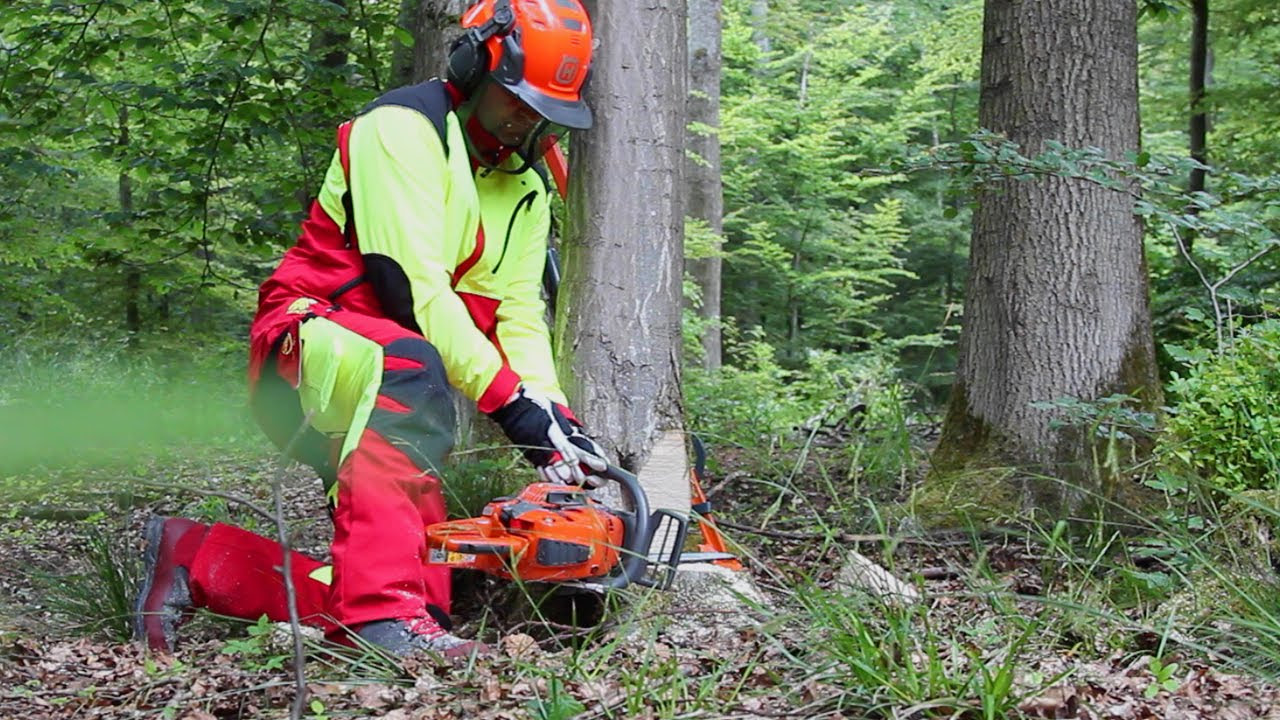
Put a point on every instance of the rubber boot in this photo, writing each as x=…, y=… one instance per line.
x=164, y=600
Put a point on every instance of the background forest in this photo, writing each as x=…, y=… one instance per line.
x=155, y=160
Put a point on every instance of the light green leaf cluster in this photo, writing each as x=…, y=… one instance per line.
x=819, y=237
x=155, y=153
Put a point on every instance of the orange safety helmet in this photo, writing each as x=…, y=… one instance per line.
x=540, y=50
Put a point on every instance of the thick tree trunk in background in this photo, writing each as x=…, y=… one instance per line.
x=1056, y=303
x=1199, y=126
x=706, y=194
x=618, y=315
x=434, y=26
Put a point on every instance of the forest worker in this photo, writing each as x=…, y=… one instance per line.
x=419, y=267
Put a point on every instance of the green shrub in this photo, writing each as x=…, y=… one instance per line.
x=469, y=486
x=755, y=402
x=1225, y=418
x=748, y=400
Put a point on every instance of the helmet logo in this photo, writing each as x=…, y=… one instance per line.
x=568, y=70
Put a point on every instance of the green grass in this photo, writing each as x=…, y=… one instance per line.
x=99, y=599
x=74, y=404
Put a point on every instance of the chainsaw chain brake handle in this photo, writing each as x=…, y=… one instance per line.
x=640, y=530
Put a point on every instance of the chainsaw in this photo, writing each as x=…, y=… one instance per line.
x=556, y=533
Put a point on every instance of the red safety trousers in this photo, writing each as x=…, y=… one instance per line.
x=387, y=487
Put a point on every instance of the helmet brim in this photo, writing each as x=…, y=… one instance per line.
x=575, y=115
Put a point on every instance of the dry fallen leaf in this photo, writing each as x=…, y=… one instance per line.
x=520, y=646
x=491, y=690
x=371, y=697
x=1059, y=701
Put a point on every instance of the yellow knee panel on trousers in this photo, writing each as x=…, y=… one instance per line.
x=340, y=376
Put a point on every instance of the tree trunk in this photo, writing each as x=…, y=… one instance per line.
x=329, y=42
x=706, y=194
x=434, y=26
x=328, y=47
x=132, y=273
x=1056, y=302
x=618, y=315
x=759, y=20
x=1199, y=126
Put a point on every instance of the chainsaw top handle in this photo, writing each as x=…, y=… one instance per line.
x=636, y=539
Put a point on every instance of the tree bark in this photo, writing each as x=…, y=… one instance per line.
x=759, y=20
x=1056, y=302
x=132, y=273
x=618, y=316
x=706, y=194
x=329, y=48
x=1199, y=125
x=329, y=42
x=434, y=26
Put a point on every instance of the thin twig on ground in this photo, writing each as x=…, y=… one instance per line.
x=229, y=497
x=282, y=533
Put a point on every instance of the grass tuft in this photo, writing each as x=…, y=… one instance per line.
x=99, y=599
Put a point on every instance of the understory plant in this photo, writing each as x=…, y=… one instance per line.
x=100, y=597
x=1223, y=423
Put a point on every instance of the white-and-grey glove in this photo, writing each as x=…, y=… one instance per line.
x=550, y=438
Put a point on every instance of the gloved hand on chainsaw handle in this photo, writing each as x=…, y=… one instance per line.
x=550, y=438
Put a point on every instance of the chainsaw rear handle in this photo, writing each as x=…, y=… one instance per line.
x=636, y=539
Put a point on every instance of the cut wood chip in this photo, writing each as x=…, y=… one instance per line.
x=861, y=573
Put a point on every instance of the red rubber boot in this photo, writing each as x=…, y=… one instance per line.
x=165, y=598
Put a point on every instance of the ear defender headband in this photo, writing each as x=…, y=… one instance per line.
x=469, y=58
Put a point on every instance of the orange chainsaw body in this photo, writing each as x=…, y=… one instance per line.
x=547, y=533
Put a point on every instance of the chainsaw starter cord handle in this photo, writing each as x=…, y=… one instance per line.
x=635, y=544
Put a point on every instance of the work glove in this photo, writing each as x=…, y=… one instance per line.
x=553, y=442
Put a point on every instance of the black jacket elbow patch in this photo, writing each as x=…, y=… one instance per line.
x=391, y=286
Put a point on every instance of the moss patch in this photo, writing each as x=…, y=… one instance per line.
x=963, y=499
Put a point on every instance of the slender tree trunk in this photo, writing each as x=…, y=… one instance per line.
x=618, y=316
x=759, y=20
x=1199, y=126
x=434, y=26
x=953, y=234
x=132, y=273
x=329, y=41
x=706, y=194
x=328, y=47
x=1056, y=302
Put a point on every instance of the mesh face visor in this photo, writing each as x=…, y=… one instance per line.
x=510, y=73
x=540, y=140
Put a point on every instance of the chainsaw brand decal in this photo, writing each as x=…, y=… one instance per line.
x=440, y=556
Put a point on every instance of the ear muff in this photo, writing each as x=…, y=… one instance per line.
x=469, y=58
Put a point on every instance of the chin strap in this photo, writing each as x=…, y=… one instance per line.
x=536, y=147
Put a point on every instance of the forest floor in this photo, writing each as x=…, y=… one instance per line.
x=989, y=640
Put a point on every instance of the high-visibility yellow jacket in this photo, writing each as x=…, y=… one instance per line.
x=405, y=227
